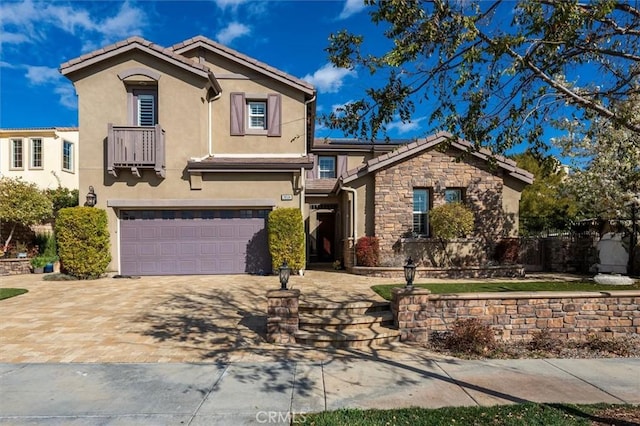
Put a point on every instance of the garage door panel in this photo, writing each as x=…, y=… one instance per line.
x=193, y=246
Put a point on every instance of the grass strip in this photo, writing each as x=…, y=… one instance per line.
x=501, y=415
x=6, y=293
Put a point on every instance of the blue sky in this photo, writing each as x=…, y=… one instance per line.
x=37, y=37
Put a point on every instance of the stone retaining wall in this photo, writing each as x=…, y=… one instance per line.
x=517, y=315
x=282, y=315
x=15, y=266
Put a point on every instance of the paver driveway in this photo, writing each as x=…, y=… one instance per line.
x=156, y=319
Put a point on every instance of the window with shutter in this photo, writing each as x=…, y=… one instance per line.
x=146, y=110
x=255, y=114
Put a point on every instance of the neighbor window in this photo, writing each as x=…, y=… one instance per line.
x=67, y=156
x=327, y=167
x=36, y=154
x=257, y=115
x=421, y=211
x=17, y=154
x=453, y=195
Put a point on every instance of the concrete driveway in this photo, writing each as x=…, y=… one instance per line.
x=157, y=319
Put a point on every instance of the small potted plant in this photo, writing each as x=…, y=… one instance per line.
x=38, y=263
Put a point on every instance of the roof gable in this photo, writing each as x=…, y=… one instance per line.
x=140, y=44
x=235, y=56
x=411, y=149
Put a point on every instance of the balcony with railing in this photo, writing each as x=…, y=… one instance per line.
x=135, y=148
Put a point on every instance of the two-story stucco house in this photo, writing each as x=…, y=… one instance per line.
x=44, y=156
x=188, y=148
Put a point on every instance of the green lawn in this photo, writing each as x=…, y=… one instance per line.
x=384, y=290
x=507, y=415
x=6, y=293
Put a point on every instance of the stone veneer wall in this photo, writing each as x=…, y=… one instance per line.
x=517, y=315
x=15, y=266
x=394, y=196
x=282, y=315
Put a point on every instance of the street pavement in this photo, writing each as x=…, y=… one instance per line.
x=279, y=392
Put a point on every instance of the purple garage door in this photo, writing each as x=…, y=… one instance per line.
x=184, y=242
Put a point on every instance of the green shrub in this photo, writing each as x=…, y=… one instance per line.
x=286, y=238
x=368, y=251
x=470, y=336
x=451, y=220
x=83, y=241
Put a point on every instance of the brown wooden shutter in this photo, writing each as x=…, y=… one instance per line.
x=274, y=115
x=237, y=114
x=341, y=166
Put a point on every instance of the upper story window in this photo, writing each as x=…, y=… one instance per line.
x=145, y=106
x=257, y=115
x=36, y=154
x=453, y=195
x=17, y=154
x=67, y=156
x=421, y=211
x=326, y=167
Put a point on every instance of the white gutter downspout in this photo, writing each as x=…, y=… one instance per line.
x=354, y=216
x=209, y=129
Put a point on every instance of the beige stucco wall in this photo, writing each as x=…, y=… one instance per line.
x=183, y=115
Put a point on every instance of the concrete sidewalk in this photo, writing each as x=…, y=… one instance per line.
x=275, y=392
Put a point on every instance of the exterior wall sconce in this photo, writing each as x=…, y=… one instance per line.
x=409, y=273
x=284, y=275
x=92, y=198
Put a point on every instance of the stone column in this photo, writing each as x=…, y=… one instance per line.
x=282, y=315
x=409, y=308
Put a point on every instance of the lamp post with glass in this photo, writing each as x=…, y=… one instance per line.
x=409, y=273
x=283, y=274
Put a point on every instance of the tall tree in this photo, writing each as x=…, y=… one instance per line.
x=494, y=72
x=606, y=165
x=545, y=204
x=21, y=203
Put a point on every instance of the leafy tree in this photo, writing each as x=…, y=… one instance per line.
x=62, y=197
x=494, y=72
x=545, y=204
x=21, y=203
x=606, y=165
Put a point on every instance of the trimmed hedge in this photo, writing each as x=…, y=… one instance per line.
x=286, y=238
x=451, y=220
x=83, y=241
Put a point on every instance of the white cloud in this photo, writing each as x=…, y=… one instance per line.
x=329, y=79
x=42, y=75
x=67, y=95
x=407, y=127
x=232, y=32
x=223, y=4
x=26, y=22
x=351, y=7
x=39, y=76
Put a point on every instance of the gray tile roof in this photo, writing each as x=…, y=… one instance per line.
x=420, y=145
x=113, y=49
x=243, y=59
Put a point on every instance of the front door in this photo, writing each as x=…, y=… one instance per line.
x=326, y=237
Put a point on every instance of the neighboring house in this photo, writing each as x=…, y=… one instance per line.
x=45, y=156
x=189, y=148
